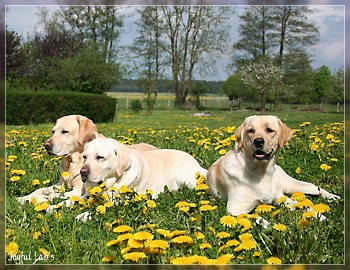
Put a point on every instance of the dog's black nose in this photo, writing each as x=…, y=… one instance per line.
x=259, y=142
x=84, y=171
x=48, y=145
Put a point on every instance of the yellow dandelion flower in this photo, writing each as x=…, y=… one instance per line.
x=298, y=170
x=15, y=178
x=75, y=198
x=280, y=227
x=309, y=214
x=182, y=239
x=36, y=235
x=18, y=172
x=298, y=196
x=247, y=244
x=65, y=175
x=303, y=223
x=321, y=208
x=44, y=229
x=245, y=223
x=133, y=243
x=124, y=189
x=45, y=252
x=228, y=221
x=182, y=260
x=257, y=254
x=9, y=232
x=105, y=196
x=275, y=213
x=264, y=208
x=233, y=242
x=47, y=181
x=199, y=235
x=245, y=236
x=112, y=242
x=42, y=206
x=202, y=187
x=134, y=256
x=95, y=190
x=165, y=233
x=125, y=236
x=108, y=258
x=282, y=199
x=204, y=202
x=274, y=260
x=178, y=232
x=35, y=182
x=62, y=189
x=151, y=204
x=223, y=235
x=101, y=209
x=143, y=235
x=158, y=244
x=325, y=167
x=304, y=204
x=12, y=249
x=224, y=259
x=184, y=209
x=108, y=204
x=222, y=152
x=207, y=207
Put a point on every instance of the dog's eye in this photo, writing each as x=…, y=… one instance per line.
x=100, y=158
x=84, y=157
x=251, y=130
x=65, y=131
x=269, y=130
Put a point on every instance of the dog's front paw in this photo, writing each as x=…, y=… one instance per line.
x=51, y=208
x=329, y=196
x=23, y=200
x=83, y=217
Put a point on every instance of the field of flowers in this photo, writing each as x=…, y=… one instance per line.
x=183, y=227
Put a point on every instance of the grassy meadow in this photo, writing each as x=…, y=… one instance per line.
x=186, y=226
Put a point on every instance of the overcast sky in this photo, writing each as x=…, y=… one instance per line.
x=329, y=19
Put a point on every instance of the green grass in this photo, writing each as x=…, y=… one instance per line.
x=70, y=242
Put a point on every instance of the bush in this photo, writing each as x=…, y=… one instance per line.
x=24, y=108
x=136, y=105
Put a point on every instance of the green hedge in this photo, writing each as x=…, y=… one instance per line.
x=24, y=108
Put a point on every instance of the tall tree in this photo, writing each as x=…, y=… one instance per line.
x=98, y=25
x=192, y=33
x=298, y=77
x=275, y=31
x=264, y=76
x=291, y=29
x=148, y=50
x=253, y=32
x=323, y=83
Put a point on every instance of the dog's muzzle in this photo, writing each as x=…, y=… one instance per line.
x=84, y=173
x=261, y=155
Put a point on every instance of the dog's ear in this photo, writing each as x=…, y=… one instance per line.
x=285, y=134
x=239, y=134
x=87, y=129
x=123, y=159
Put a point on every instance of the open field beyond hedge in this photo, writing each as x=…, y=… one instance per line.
x=187, y=226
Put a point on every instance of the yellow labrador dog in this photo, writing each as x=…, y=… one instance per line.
x=142, y=171
x=248, y=175
x=70, y=134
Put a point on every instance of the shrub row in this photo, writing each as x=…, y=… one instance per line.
x=23, y=108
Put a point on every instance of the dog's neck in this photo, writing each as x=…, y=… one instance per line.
x=72, y=165
x=251, y=165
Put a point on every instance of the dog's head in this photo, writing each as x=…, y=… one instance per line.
x=104, y=158
x=70, y=134
x=261, y=136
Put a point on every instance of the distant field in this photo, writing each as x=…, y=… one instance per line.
x=210, y=101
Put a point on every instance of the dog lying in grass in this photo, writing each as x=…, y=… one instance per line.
x=70, y=134
x=248, y=175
